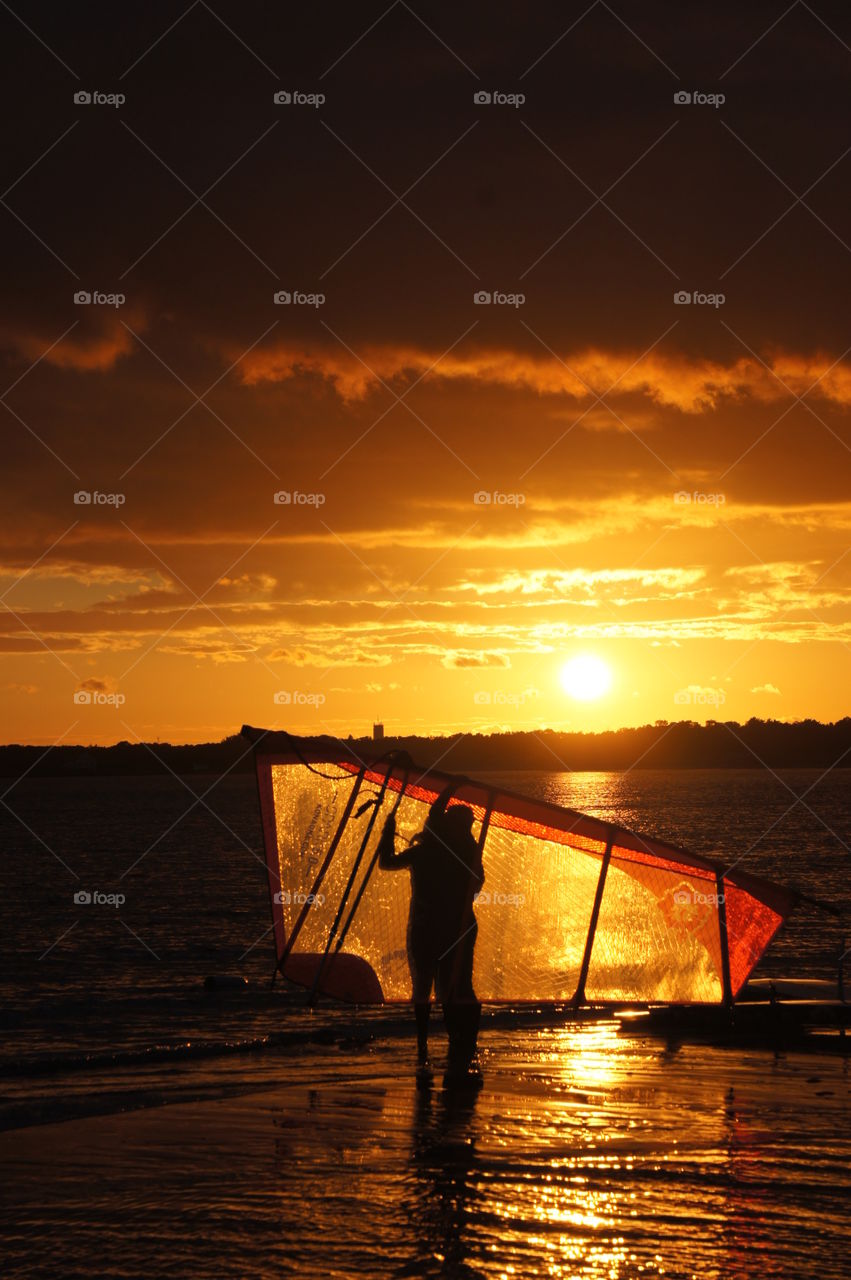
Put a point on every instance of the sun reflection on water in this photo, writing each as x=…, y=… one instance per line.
x=600, y=1156
x=547, y=1176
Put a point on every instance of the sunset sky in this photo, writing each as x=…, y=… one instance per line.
x=667, y=487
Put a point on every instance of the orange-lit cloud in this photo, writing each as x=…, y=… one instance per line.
x=458, y=659
x=676, y=380
x=340, y=654
x=94, y=345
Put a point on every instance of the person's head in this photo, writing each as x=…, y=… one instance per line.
x=458, y=820
x=446, y=826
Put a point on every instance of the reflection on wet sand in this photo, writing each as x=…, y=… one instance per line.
x=442, y=1188
x=586, y=1154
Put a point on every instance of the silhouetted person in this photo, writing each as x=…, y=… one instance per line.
x=446, y=872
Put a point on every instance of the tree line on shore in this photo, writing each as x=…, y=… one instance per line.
x=682, y=744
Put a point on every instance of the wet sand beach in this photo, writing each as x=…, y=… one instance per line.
x=587, y=1153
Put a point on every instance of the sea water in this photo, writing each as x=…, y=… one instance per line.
x=119, y=895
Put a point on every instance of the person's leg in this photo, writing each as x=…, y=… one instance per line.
x=453, y=1014
x=422, y=1010
x=472, y=1007
x=461, y=1009
x=421, y=964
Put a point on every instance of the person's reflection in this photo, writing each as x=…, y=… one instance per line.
x=746, y=1201
x=442, y=1185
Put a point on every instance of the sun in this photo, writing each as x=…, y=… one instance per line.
x=586, y=677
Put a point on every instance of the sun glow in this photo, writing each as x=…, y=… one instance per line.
x=586, y=677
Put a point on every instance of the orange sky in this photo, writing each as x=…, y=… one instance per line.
x=478, y=492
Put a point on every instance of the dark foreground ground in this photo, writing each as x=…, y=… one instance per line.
x=587, y=1153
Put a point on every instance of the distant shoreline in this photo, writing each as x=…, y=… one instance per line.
x=676, y=745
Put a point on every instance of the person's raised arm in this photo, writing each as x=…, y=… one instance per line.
x=388, y=858
x=477, y=870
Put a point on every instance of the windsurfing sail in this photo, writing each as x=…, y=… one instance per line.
x=572, y=908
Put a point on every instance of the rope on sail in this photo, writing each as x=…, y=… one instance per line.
x=376, y=805
x=320, y=876
x=365, y=881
